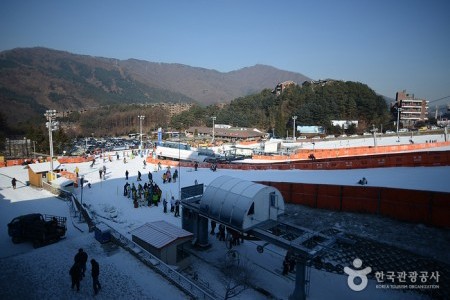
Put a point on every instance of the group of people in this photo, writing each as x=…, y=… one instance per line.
x=362, y=181
x=168, y=177
x=102, y=172
x=149, y=192
x=78, y=270
x=234, y=237
x=174, y=206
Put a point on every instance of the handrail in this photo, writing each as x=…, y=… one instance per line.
x=162, y=268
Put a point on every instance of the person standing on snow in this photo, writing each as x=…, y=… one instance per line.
x=75, y=274
x=165, y=205
x=177, y=208
x=126, y=175
x=175, y=176
x=172, y=204
x=139, y=176
x=81, y=258
x=95, y=274
x=14, y=183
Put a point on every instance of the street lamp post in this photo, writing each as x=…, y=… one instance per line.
x=140, y=130
x=293, y=132
x=213, y=119
x=50, y=115
x=374, y=133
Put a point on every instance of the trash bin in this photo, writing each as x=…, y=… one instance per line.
x=102, y=233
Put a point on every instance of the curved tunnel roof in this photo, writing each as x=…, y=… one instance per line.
x=228, y=199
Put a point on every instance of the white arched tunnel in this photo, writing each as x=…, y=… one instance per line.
x=239, y=203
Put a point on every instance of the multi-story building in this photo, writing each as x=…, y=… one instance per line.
x=412, y=110
x=282, y=86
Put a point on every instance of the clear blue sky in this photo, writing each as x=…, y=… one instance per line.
x=389, y=45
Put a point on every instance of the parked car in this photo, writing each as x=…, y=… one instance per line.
x=389, y=132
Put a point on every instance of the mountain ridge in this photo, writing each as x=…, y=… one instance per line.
x=35, y=79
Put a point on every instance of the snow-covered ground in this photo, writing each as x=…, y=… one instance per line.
x=43, y=273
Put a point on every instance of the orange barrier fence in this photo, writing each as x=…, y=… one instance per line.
x=409, y=159
x=427, y=207
x=303, y=154
x=74, y=159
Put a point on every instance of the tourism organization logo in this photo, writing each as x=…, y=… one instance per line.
x=357, y=278
x=361, y=274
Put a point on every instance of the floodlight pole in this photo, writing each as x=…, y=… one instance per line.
x=293, y=132
x=398, y=121
x=50, y=115
x=179, y=166
x=82, y=183
x=140, y=130
x=213, y=119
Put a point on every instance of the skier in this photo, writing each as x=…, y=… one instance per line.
x=150, y=176
x=14, y=182
x=126, y=175
x=139, y=176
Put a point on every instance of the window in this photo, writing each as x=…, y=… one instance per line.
x=251, y=211
x=273, y=199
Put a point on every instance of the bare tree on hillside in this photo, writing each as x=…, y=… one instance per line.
x=237, y=275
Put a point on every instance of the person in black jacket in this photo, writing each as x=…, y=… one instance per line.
x=95, y=274
x=75, y=274
x=81, y=258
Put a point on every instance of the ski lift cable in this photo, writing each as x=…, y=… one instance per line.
x=439, y=99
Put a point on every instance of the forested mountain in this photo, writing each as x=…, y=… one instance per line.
x=313, y=104
x=35, y=79
x=111, y=93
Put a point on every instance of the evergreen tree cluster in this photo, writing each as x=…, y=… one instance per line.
x=313, y=104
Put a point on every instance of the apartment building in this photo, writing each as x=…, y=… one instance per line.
x=412, y=110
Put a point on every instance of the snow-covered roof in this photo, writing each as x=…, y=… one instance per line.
x=61, y=181
x=160, y=233
x=44, y=167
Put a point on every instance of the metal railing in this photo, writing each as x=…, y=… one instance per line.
x=163, y=269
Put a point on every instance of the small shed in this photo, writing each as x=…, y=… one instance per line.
x=239, y=203
x=165, y=241
x=38, y=171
